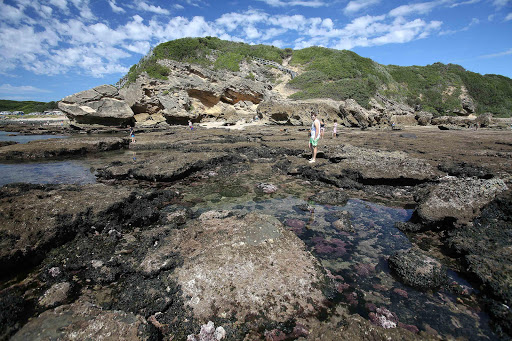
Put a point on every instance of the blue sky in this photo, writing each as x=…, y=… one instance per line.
x=53, y=48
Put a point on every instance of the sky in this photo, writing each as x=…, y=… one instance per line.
x=54, y=48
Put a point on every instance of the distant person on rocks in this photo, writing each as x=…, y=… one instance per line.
x=315, y=136
x=335, y=129
x=322, y=129
x=190, y=125
x=132, y=134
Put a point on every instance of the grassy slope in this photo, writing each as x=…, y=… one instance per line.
x=340, y=75
x=26, y=106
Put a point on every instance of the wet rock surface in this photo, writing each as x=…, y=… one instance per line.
x=236, y=228
x=55, y=148
x=415, y=268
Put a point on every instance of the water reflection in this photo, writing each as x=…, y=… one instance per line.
x=9, y=136
x=56, y=172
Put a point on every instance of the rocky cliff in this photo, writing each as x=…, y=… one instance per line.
x=230, y=85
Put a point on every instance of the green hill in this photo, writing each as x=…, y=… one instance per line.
x=342, y=74
x=26, y=106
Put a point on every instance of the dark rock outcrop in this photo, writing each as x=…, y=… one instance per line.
x=54, y=148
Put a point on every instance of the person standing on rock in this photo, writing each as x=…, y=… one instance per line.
x=132, y=134
x=322, y=129
x=315, y=136
x=335, y=128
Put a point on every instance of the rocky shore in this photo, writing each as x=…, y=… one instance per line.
x=188, y=237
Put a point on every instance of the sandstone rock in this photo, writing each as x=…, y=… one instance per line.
x=485, y=120
x=458, y=200
x=100, y=105
x=297, y=112
x=424, y=118
x=240, y=267
x=353, y=114
x=336, y=197
x=413, y=267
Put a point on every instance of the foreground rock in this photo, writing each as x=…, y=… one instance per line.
x=54, y=148
x=100, y=105
x=83, y=320
x=485, y=248
x=37, y=218
x=239, y=268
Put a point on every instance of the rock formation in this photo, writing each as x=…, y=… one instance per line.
x=101, y=105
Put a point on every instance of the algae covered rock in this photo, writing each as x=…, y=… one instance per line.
x=415, y=268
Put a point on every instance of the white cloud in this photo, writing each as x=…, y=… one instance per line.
x=357, y=5
x=473, y=22
x=140, y=47
x=151, y=8
x=500, y=3
x=419, y=8
x=508, y=17
x=288, y=3
x=16, y=90
x=61, y=4
x=469, y=2
x=500, y=54
x=115, y=8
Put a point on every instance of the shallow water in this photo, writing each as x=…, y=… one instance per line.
x=50, y=172
x=357, y=257
x=16, y=137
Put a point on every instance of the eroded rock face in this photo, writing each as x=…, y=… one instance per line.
x=458, y=200
x=415, y=268
x=83, y=320
x=241, y=267
x=298, y=112
x=101, y=105
x=193, y=93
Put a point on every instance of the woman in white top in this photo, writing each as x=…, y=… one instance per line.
x=315, y=136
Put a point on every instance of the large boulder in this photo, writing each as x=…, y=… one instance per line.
x=373, y=167
x=240, y=267
x=101, y=105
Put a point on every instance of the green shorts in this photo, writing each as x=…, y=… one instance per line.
x=313, y=142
